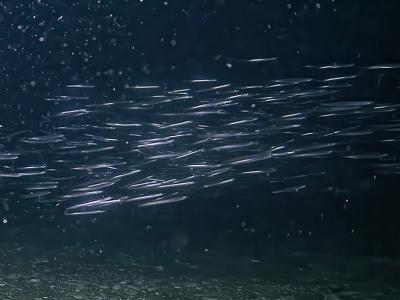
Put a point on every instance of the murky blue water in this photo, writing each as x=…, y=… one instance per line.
x=199, y=150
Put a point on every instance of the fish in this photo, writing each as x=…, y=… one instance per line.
x=291, y=189
x=150, y=145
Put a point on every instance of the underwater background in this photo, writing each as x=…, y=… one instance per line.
x=199, y=149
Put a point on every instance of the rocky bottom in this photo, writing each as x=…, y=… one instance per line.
x=31, y=271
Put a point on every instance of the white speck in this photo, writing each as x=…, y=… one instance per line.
x=229, y=65
x=41, y=39
x=5, y=220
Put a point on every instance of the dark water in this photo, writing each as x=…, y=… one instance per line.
x=243, y=150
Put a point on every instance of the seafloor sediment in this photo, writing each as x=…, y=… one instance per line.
x=32, y=271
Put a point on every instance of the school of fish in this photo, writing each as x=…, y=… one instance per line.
x=150, y=145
